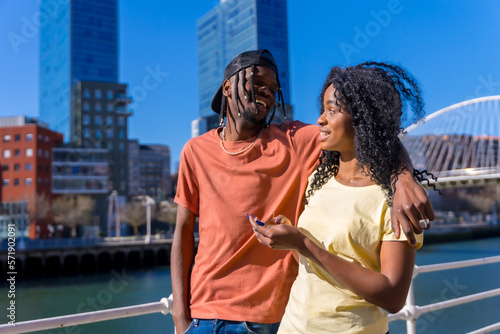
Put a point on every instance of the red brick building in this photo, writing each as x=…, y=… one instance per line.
x=25, y=161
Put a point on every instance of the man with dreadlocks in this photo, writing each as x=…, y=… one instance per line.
x=237, y=285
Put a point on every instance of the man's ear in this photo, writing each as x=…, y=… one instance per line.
x=226, y=88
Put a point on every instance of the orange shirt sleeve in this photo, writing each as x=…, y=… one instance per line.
x=187, y=184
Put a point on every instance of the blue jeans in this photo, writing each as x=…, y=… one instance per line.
x=216, y=326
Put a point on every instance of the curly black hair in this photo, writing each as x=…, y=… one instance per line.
x=378, y=97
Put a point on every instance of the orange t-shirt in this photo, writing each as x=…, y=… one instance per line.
x=234, y=277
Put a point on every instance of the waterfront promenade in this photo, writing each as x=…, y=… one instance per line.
x=69, y=256
x=48, y=258
x=113, y=289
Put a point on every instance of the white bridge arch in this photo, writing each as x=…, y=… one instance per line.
x=459, y=143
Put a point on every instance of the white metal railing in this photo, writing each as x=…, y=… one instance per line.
x=468, y=171
x=164, y=306
x=410, y=312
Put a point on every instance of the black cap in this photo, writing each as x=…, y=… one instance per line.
x=244, y=60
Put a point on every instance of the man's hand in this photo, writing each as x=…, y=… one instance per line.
x=410, y=205
x=182, y=324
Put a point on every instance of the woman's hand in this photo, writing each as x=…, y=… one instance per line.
x=410, y=205
x=278, y=233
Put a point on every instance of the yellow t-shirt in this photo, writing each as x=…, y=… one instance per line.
x=350, y=222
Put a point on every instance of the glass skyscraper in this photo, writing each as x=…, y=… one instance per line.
x=232, y=27
x=78, y=43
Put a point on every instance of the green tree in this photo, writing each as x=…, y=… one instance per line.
x=73, y=210
x=134, y=213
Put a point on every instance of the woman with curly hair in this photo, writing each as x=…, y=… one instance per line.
x=351, y=265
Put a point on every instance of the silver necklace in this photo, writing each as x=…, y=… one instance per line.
x=241, y=151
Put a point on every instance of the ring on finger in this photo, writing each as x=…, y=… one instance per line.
x=424, y=223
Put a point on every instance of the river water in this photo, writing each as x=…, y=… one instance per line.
x=55, y=297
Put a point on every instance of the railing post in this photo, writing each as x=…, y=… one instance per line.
x=411, y=326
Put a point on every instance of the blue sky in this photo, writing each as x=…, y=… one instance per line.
x=451, y=46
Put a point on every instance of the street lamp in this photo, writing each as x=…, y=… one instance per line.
x=113, y=209
x=148, y=201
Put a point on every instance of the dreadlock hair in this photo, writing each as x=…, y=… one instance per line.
x=236, y=79
x=377, y=96
x=223, y=111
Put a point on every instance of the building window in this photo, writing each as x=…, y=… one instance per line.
x=86, y=106
x=98, y=134
x=28, y=181
x=39, y=181
x=47, y=139
x=29, y=152
x=40, y=168
x=122, y=134
x=121, y=121
x=86, y=119
x=86, y=93
x=121, y=146
x=110, y=145
x=29, y=137
x=98, y=106
x=86, y=133
x=109, y=133
x=40, y=152
x=47, y=154
x=17, y=152
x=16, y=182
x=98, y=120
x=6, y=153
x=17, y=137
x=40, y=137
x=109, y=120
x=5, y=182
x=5, y=167
x=46, y=182
x=17, y=166
x=109, y=107
x=28, y=166
x=98, y=94
x=6, y=138
x=109, y=94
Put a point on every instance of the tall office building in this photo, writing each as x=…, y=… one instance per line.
x=78, y=43
x=99, y=120
x=232, y=27
x=80, y=95
x=149, y=170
